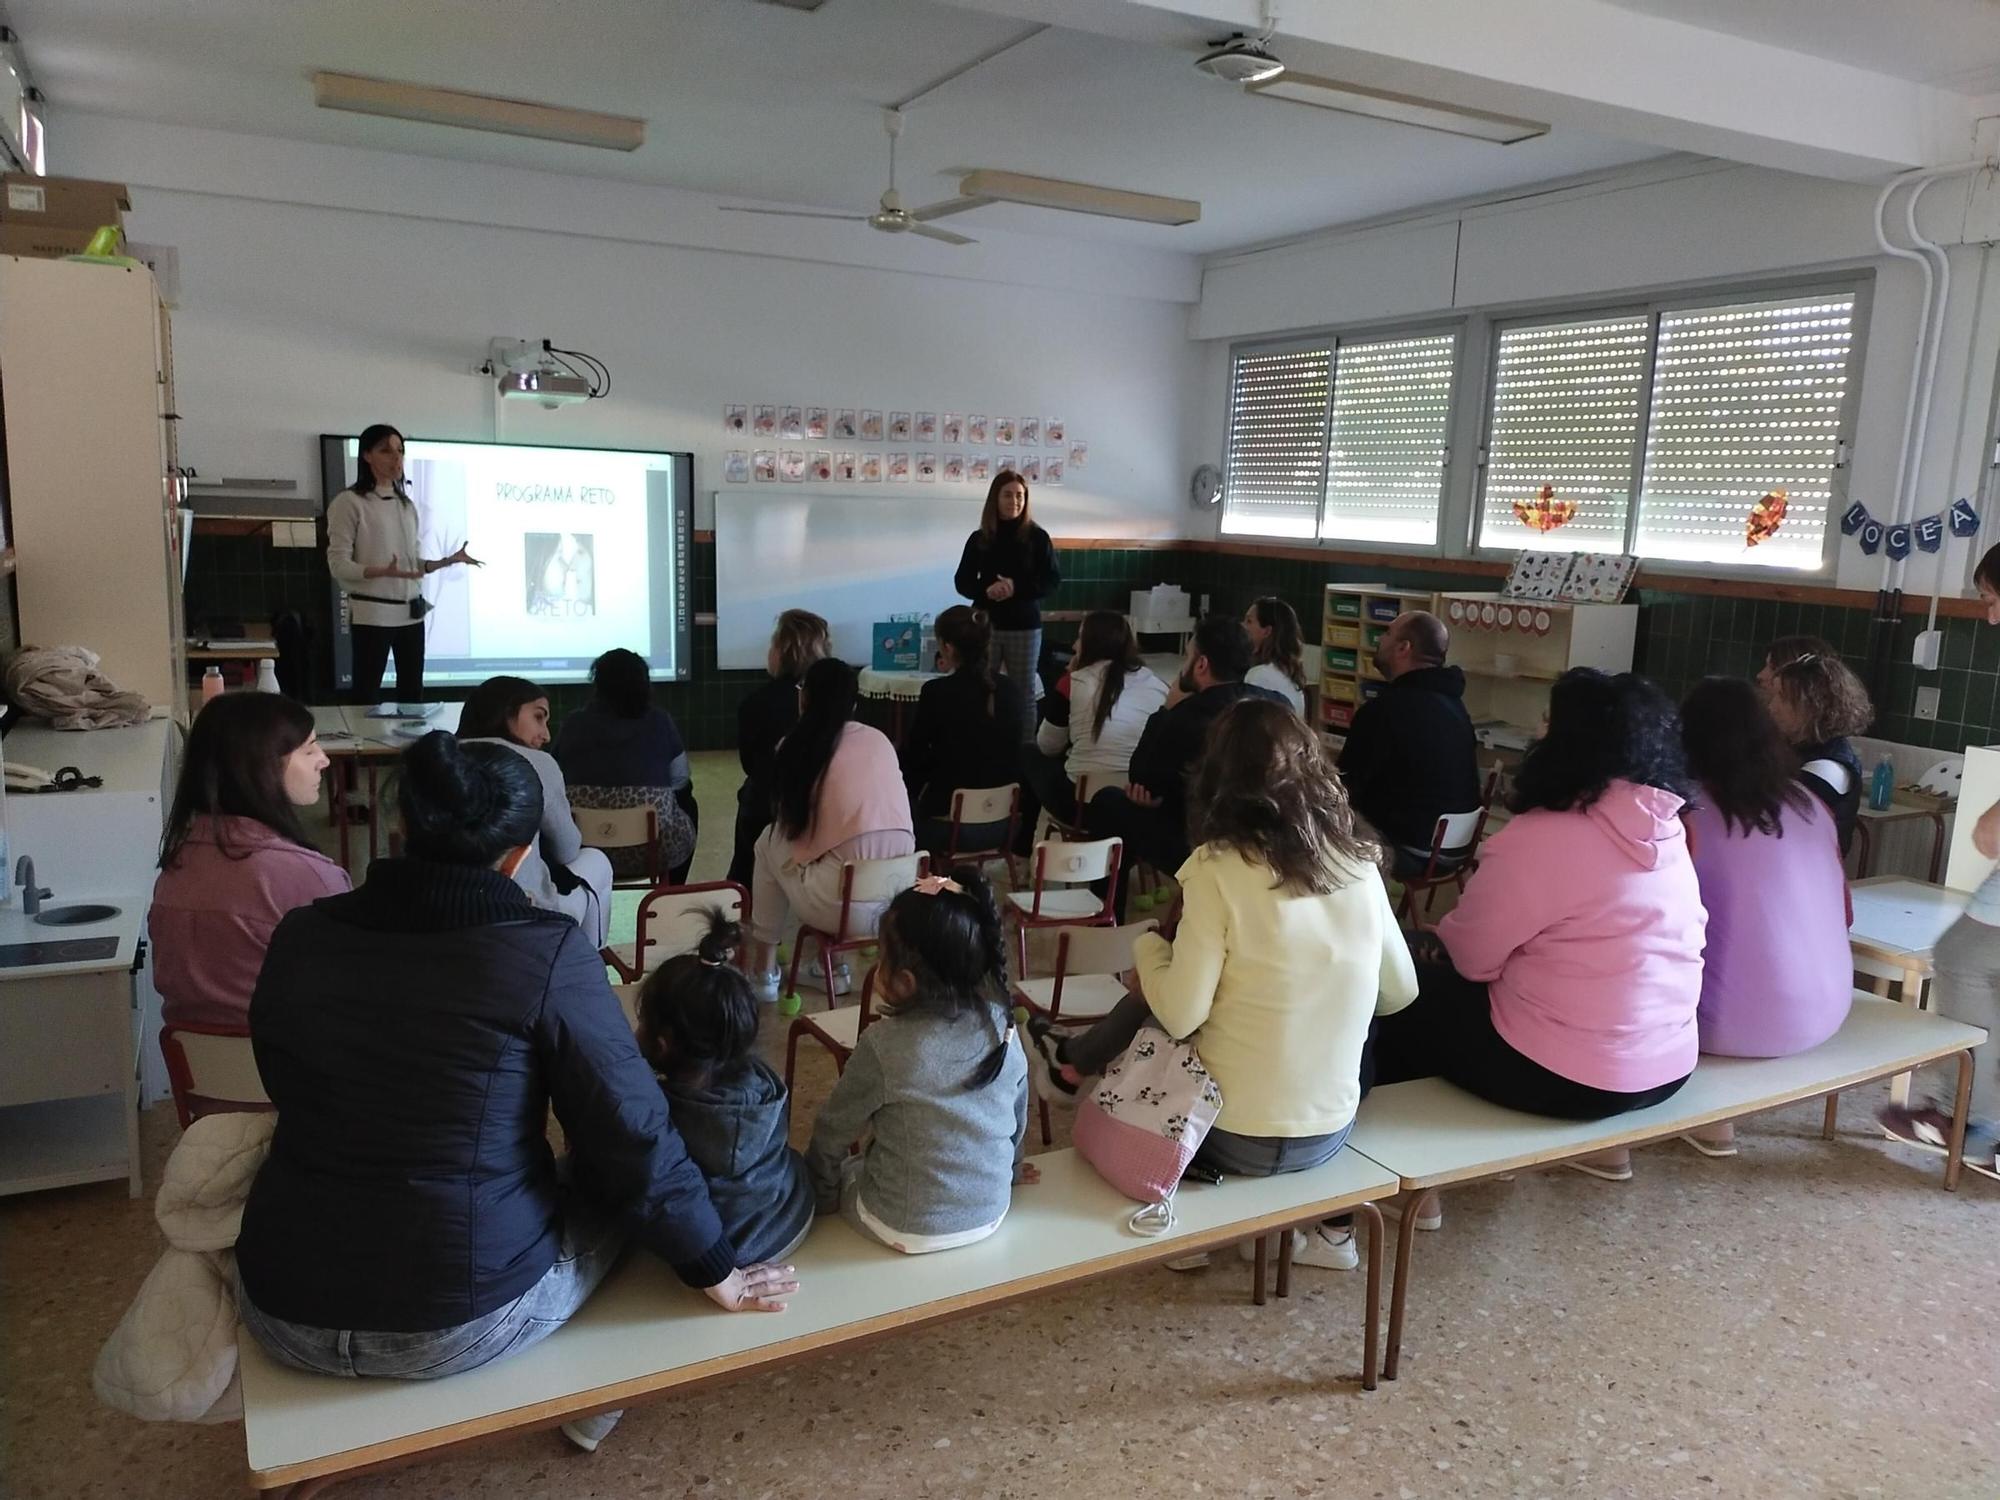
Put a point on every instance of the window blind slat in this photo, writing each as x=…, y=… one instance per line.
x=1275, y=473
x=1386, y=446
x=1747, y=398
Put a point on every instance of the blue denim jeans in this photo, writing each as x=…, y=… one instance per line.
x=1267, y=1155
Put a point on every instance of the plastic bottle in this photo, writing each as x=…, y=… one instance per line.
x=1883, y=785
x=211, y=684
x=267, y=676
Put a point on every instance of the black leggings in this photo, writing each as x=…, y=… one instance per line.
x=1448, y=1033
x=372, y=645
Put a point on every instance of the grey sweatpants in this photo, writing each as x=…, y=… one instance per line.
x=1967, y=988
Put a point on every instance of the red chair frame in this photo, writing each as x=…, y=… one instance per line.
x=1433, y=879
x=810, y=1026
x=833, y=944
x=188, y=1104
x=635, y=971
x=980, y=858
x=1105, y=916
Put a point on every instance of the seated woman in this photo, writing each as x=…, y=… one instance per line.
x=1777, y=974
x=1287, y=951
x=622, y=750
x=840, y=797
x=763, y=720
x=410, y=1220
x=235, y=858
x=1280, y=649
x=967, y=732
x=1818, y=702
x=1575, y=952
x=1087, y=736
x=558, y=872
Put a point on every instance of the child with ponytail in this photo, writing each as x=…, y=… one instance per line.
x=698, y=1028
x=938, y=1085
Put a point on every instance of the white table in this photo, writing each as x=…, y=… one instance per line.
x=1897, y=922
x=351, y=737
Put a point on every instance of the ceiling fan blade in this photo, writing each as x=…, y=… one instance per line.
x=944, y=236
x=792, y=213
x=947, y=206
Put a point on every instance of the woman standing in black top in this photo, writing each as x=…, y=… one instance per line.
x=967, y=732
x=1818, y=702
x=766, y=717
x=1009, y=566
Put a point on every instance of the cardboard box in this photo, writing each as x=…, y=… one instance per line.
x=66, y=202
x=44, y=242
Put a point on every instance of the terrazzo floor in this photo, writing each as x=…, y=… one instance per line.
x=1811, y=1319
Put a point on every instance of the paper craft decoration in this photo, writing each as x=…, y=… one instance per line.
x=899, y=427
x=1930, y=533
x=822, y=466
x=1079, y=455
x=1052, y=469
x=871, y=427
x=1002, y=462
x=954, y=468
x=927, y=427
x=735, y=419
x=1766, y=516
x=764, y=466
x=926, y=468
x=1003, y=430
x=1053, y=432
x=1871, y=534
x=951, y=428
x=792, y=466
x=871, y=468
x=1960, y=519
x=978, y=468
x=975, y=428
x=1599, y=577
x=845, y=427
x=764, y=421
x=1031, y=431
x=1896, y=541
x=1537, y=575
x=1545, y=512
x=736, y=466
x=1964, y=519
x=899, y=468
x=845, y=468
x=816, y=422
x=1031, y=468
x=792, y=422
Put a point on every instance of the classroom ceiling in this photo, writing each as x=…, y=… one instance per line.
x=1954, y=44
x=766, y=104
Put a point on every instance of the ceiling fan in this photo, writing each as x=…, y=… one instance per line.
x=891, y=217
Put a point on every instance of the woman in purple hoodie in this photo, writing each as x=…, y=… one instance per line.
x=1575, y=952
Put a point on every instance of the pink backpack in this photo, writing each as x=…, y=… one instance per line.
x=1148, y=1115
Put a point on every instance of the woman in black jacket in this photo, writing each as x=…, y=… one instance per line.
x=1008, y=567
x=763, y=720
x=410, y=1220
x=967, y=732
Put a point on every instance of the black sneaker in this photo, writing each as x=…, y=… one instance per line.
x=1053, y=1080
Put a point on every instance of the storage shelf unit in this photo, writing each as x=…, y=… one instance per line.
x=1513, y=650
x=1355, y=616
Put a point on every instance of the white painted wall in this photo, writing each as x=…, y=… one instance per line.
x=1631, y=235
x=323, y=288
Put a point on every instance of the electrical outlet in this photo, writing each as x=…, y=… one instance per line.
x=1927, y=702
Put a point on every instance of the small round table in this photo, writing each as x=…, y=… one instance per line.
x=897, y=688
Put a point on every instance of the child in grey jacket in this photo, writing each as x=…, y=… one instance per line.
x=938, y=1085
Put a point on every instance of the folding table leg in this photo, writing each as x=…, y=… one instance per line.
x=1372, y=1314
x=1830, y=1127
x=1399, y=1291
x=1285, y=1263
x=1257, y=1273
x=1954, y=1159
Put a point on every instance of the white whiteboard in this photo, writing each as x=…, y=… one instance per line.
x=855, y=559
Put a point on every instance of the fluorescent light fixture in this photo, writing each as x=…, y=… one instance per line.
x=432, y=106
x=1401, y=109
x=1077, y=197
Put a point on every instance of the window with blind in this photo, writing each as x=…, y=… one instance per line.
x=1342, y=441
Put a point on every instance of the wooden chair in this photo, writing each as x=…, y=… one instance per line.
x=610, y=828
x=861, y=880
x=212, y=1071
x=1065, y=865
x=1454, y=845
x=1086, y=983
x=835, y=1030
x=672, y=919
x=983, y=807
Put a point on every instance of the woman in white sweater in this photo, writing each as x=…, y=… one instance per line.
x=1088, y=733
x=1280, y=648
x=374, y=553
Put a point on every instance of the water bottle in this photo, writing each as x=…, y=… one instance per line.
x=211, y=684
x=267, y=676
x=1883, y=786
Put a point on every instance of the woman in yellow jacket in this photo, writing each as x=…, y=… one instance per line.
x=1287, y=950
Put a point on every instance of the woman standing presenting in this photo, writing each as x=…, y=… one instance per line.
x=373, y=552
x=1009, y=566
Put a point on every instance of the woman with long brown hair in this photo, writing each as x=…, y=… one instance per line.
x=1089, y=730
x=1280, y=647
x=1287, y=950
x=966, y=733
x=1819, y=701
x=1008, y=567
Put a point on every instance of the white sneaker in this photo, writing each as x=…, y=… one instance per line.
x=766, y=985
x=1189, y=1262
x=587, y=1432
x=1330, y=1248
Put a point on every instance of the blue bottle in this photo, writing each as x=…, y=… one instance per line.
x=1883, y=786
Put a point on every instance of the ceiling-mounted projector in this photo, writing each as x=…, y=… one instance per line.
x=1240, y=60
x=552, y=387
x=535, y=370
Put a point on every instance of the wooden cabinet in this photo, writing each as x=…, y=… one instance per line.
x=1513, y=650
x=1355, y=616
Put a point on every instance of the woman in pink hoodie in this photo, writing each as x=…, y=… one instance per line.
x=1576, y=949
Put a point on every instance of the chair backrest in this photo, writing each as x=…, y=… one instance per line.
x=1057, y=860
x=1098, y=950
x=211, y=1067
x=674, y=918
x=628, y=1001
x=882, y=879
x=617, y=827
x=990, y=804
x=1454, y=831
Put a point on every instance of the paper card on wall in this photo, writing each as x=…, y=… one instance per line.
x=845, y=428
x=792, y=466
x=1871, y=536
x=1930, y=533
x=1537, y=575
x=1004, y=461
x=845, y=468
x=822, y=466
x=975, y=428
x=1964, y=519
x=978, y=469
x=871, y=468
x=816, y=422
x=735, y=419
x=1003, y=431
x=1897, y=542
x=764, y=421
x=1598, y=577
x=764, y=465
x=736, y=467
x=899, y=427
x=1031, y=431
x=951, y=428
x=926, y=468
x=1031, y=468
x=954, y=468
x=1854, y=519
x=871, y=427
x=1079, y=454
x=1052, y=469
x=899, y=468
x=1053, y=432
x=791, y=422
x=926, y=427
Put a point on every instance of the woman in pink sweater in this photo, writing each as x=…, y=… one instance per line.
x=840, y=797
x=1575, y=952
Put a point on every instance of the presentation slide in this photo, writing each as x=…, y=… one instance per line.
x=584, y=549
